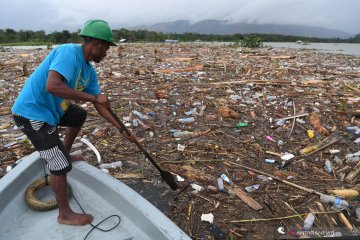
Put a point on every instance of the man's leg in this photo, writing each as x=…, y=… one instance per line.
x=70, y=135
x=66, y=215
x=45, y=139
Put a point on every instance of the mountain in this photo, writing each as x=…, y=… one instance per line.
x=225, y=27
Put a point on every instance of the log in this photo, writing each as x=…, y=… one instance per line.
x=282, y=57
x=187, y=69
x=129, y=175
x=178, y=59
x=344, y=193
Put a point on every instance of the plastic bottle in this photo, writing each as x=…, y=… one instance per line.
x=117, y=164
x=328, y=166
x=267, y=160
x=21, y=138
x=252, y=188
x=281, y=122
x=186, y=120
x=220, y=183
x=10, y=144
x=191, y=112
x=225, y=178
x=270, y=98
x=338, y=160
x=353, y=129
x=309, y=221
x=242, y=124
x=358, y=213
x=181, y=133
x=333, y=200
x=140, y=115
x=310, y=134
x=353, y=156
x=76, y=153
x=135, y=122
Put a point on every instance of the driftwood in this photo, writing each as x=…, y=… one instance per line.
x=291, y=117
x=187, y=69
x=260, y=82
x=129, y=175
x=346, y=221
x=353, y=174
x=309, y=190
x=330, y=220
x=344, y=193
x=246, y=198
x=178, y=59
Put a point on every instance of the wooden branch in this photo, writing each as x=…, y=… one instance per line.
x=291, y=117
x=187, y=69
x=353, y=174
x=309, y=190
x=293, y=123
x=322, y=147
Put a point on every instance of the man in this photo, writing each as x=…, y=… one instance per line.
x=45, y=102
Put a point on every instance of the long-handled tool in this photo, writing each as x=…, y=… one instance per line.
x=166, y=176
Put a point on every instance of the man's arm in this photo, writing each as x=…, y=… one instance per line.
x=56, y=85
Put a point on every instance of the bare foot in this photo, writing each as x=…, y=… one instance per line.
x=76, y=158
x=75, y=219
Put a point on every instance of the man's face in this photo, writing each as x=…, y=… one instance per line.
x=99, y=51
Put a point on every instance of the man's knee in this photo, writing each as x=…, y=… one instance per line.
x=73, y=117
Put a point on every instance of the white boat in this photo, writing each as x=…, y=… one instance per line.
x=98, y=193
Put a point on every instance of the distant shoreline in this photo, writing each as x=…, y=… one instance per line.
x=335, y=48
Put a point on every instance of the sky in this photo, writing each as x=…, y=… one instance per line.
x=51, y=15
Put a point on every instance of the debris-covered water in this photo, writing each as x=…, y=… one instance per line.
x=279, y=125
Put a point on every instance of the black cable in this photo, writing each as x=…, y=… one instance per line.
x=96, y=226
x=93, y=226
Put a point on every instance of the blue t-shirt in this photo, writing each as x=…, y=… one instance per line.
x=35, y=103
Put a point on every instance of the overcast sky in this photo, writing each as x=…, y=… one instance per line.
x=51, y=15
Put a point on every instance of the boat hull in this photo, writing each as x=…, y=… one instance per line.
x=98, y=193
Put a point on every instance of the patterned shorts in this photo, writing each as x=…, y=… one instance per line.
x=46, y=140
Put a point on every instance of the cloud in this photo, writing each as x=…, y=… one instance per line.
x=70, y=14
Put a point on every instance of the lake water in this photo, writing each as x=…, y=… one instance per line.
x=337, y=48
x=340, y=48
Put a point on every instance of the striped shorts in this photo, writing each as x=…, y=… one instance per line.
x=46, y=140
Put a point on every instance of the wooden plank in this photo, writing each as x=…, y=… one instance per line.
x=129, y=175
x=247, y=199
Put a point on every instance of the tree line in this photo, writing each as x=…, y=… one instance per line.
x=28, y=37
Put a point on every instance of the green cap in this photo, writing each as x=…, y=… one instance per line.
x=97, y=29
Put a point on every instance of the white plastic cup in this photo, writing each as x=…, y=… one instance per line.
x=220, y=183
